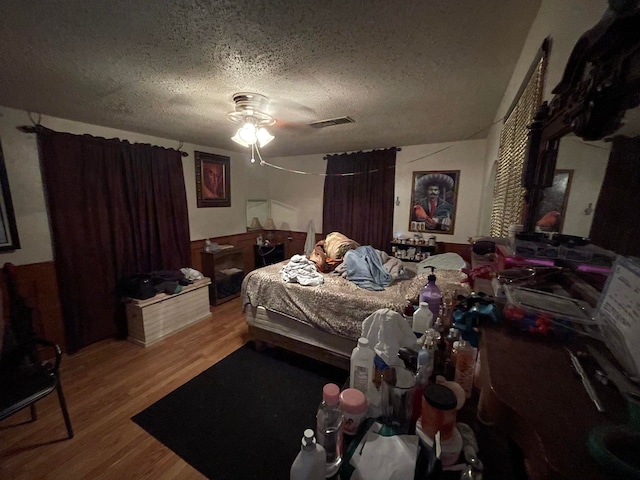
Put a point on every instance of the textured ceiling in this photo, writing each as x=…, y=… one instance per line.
x=407, y=72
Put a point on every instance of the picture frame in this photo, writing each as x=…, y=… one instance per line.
x=9, y=239
x=552, y=208
x=213, y=180
x=434, y=198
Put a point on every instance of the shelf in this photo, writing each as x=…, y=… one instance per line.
x=422, y=251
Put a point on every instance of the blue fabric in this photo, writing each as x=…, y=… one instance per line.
x=364, y=268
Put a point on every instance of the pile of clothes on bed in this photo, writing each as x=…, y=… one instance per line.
x=363, y=265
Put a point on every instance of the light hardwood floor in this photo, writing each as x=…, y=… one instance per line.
x=105, y=384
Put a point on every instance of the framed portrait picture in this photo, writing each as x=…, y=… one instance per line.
x=8, y=229
x=553, y=206
x=213, y=182
x=434, y=196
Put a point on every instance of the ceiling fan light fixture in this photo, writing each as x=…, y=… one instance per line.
x=248, y=132
x=264, y=136
x=236, y=138
x=250, y=113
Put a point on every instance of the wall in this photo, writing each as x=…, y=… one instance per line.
x=564, y=21
x=466, y=156
x=23, y=169
x=296, y=198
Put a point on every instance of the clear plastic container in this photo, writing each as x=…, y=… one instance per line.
x=543, y=313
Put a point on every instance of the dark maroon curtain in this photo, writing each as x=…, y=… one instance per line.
x=115, y=208
x=616, y=219
x=360, y=206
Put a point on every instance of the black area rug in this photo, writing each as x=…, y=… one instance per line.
x=244, y=417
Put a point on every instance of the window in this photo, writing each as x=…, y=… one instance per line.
x=508, y=193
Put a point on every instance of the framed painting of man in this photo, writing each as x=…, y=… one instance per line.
x=8, y=228
x=213, y=180
x=434, y=196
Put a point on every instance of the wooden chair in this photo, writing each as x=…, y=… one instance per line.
x=24, y=378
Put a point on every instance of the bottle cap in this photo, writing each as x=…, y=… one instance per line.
x=363, y=342
x=353, y=401
x=331, y=394
x=309, y=438
x=440, y=397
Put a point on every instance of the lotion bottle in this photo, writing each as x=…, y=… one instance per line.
x=431, y=294
x=310, y=462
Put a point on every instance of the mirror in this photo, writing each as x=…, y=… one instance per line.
x=589, y=121
x=259, y=209
x=584, y=164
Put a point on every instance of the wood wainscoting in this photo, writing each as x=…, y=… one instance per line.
x=39, y=285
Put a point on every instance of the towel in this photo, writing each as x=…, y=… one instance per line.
x=310, y=241
x=302, y=270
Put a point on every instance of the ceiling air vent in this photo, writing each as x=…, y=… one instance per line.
x=331, y=122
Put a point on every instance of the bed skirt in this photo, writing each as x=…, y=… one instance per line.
x=289, y=333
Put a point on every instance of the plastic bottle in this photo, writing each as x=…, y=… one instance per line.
x=465, y=363
x=310, y=462
x=431, y=294
x=422, y=319
x=361, y=368
x=329, y=428
x=424, y=371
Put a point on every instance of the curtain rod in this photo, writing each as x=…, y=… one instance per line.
x=398, y=149
x=34, y=129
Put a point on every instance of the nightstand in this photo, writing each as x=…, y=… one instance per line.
x=225, y=267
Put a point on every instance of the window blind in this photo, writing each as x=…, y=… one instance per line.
x=508, y=194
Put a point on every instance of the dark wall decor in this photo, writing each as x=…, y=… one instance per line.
x=213, y=180
x=8, y=229
x=434, y=196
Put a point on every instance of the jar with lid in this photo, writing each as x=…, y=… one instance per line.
x=439, y=411
x=353, y=404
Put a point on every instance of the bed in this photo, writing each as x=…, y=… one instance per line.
x=325, y=321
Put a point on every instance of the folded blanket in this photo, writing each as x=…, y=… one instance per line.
x=302, y=270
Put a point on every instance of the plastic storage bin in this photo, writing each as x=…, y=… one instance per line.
x=542, y=313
